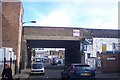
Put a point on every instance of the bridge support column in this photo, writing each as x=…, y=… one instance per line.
x=29, y=52
x=24, y=55
x=72, y=53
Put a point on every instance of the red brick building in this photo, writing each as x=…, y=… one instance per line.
x=12, y=15
x=0, y=24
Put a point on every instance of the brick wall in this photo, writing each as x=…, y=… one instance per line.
x=6, y=34
x=47, y=31
x=110, y=65
x=12, y=26
x=0, y=24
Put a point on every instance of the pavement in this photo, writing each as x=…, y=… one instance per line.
x=22, y=76
x=107, y=76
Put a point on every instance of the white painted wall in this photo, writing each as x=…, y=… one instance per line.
x=7, y=52
x=97, y=46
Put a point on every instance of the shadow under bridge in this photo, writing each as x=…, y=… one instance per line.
x=72, y=49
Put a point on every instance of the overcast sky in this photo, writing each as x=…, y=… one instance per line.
x=100, y=14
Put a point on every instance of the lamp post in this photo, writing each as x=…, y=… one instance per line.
x=23, y=55
x=29, y=22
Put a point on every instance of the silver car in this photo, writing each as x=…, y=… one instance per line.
x=37, y=68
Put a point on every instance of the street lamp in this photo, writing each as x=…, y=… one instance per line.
x=29, y=22
x=22, y=50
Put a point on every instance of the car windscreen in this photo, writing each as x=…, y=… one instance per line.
x=81, y=66
x=37, y=66
x=84, y=68
x=38, y=59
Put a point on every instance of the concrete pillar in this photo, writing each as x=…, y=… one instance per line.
x=24, y=54
x=29, y=57
x=72, y=53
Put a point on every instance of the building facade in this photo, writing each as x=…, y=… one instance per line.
x=101, y=53
x=0, y=24
x=109, y=44
x=12, y=15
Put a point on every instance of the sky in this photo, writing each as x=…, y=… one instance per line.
x=98, y=14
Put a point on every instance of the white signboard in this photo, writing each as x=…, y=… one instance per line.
x=91, y=62
x=99, y=62
x=76, y=32
x=110, y=59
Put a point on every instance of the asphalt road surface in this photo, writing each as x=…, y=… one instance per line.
x=49, y=74
x=53, y=72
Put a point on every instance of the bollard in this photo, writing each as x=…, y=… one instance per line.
x=20, y=67
x=4, y=62
x=10, y=62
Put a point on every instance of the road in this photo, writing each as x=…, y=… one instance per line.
x=51, y=72
x=54, y=73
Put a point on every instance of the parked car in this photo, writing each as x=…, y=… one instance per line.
x=37, y=68
x=39, y=60
x=59, y=60
x=54, y=61
x=46, y=60
x=78, y=71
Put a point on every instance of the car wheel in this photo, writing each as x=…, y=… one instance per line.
x=43, y=74
x=64, y=78
x=30, y=74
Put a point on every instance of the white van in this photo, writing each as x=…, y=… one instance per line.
x=37, y=68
